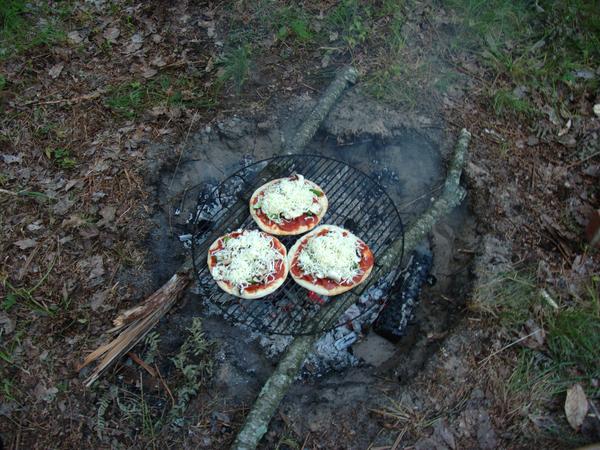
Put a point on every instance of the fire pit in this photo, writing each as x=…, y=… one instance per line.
x=356, y=202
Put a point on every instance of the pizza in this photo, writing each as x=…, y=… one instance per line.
x=288, y=206
x=248, y=264
x=330, y=260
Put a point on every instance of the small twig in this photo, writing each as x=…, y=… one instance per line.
x=72, y=100
x=306, y=441
x=136, y=359
x=521, y=339
x=164, y=383
x=581, y=161
x=182, y=148
x=398, y=439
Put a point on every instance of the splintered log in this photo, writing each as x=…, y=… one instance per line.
x=278, y=384
x=136, y=322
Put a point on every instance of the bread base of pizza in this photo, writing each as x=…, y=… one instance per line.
x=248, y=264
x=330, y=260
x=288, y=206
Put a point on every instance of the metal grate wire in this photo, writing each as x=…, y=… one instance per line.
x=356, y=202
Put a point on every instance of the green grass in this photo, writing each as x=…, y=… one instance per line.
x=292, y=24
x=352, y=19
x=130, y=99
x=400, y=83
x=506, y=104
x=25, y=25
x=62, y=158
x=571, y=349
x=24, y=295
x=235, y=67
x=540, y=47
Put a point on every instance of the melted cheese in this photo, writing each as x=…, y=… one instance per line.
x=332, y=255
x=246, y=259
x=288, y=199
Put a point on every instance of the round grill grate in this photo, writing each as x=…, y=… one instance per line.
x=356, y=202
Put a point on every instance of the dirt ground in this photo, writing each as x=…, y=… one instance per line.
x=105, y=103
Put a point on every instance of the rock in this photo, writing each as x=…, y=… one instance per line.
x=429, y=444
x=597, y=110
x=374, y=350
x=486, y=436
x=443, y=433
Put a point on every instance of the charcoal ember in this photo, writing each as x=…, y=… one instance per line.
x=393, y=319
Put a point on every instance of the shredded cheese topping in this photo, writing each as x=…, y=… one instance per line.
x=288, y=199
x=332, y=255
x=246, y=259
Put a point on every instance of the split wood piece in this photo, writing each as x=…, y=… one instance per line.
x=136, y=322
x=277, y=385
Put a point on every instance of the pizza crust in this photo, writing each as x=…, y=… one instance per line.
x=260, y=292
x=301, y=229
x=320, y=289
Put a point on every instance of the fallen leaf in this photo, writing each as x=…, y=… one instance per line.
x=41, y=392
x=35, y=226
x=75, y=37
x=535, y=335
x=24, y=244
x=73, y=221
x=96, y=267
x=55, y=70
x=108, y=216
x=149, y=72
x=159, y=61
x=98, y=299
x=12, y=159
x=566, y=128
x=576, y=406
x=111, y=34
x=62, y=206
x=6, y=323
x=135, y=44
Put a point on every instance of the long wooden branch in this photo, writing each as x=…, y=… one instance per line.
x=278, y=384
x=135, y=323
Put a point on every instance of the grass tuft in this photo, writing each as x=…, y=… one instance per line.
x=507, y=104
x=25, y=25
x=131, y=99
x=541, y=45
x=235, y=67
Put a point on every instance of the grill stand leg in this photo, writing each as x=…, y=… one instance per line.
x=277, y=385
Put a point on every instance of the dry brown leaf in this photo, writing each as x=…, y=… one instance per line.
x=576, y=406
x=55, y=70
x=24, y=244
